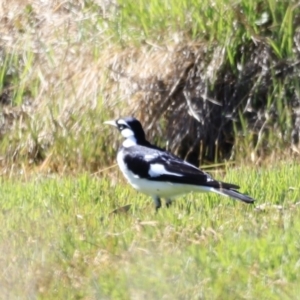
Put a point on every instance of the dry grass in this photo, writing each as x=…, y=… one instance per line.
x=64, y=73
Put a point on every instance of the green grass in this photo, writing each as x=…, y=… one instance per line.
x=59, y=240
x=224, y=21
x=58, y=237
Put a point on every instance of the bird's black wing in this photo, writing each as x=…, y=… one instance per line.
x=157, y=165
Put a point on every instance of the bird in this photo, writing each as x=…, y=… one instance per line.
x=159, y=173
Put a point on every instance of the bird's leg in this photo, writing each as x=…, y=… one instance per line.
x=157, y=203
x=168, y=202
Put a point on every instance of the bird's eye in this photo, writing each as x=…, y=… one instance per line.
x=121, y=127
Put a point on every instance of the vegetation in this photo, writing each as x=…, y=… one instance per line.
x=212, y=82
x=59, y=240
x=229, y=77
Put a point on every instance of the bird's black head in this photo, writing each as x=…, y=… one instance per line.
x=130, y=128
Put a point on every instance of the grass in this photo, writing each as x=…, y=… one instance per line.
x=59, y=240
x=67, y=67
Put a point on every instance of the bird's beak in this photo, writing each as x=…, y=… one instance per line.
x=111, y=122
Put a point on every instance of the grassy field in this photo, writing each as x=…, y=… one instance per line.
x=65, y=228
x=60, y=239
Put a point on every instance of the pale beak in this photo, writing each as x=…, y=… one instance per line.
x=111, y=122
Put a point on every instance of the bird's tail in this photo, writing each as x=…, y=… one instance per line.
x=234, y=194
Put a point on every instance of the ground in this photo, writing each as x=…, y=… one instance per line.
x=71, y=227
x=62, y=238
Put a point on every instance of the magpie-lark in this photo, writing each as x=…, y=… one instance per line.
x=160, y=174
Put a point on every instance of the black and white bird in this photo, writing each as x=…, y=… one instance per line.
x=160, y=174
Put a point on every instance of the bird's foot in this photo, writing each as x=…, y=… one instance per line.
x=168, y=202
x=157, y=203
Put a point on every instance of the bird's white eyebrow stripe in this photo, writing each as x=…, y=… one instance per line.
x=122, y=122
x=157, y=170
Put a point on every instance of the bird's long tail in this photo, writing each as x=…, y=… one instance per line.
x=234, y=194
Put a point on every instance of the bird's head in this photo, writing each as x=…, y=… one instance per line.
x=130, y=128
